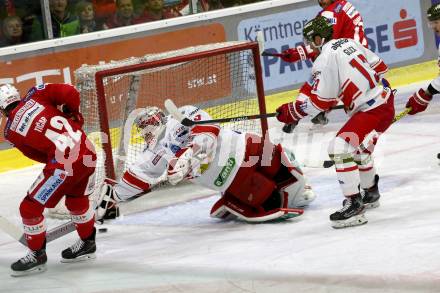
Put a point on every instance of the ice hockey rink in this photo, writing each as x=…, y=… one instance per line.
x=179, y=248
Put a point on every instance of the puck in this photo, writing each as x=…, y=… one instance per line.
x=438, y=156
x=102, y=230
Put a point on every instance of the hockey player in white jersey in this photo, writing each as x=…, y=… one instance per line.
x=419, y=101
x=347, y=72
x=258, y=181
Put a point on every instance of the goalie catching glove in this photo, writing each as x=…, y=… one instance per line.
x=179, y=167
x=189, y=162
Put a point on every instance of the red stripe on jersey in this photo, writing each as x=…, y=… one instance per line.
x=322, y=104
x=210, y=129
x=347, y=169
x=349, y=93
x=344, y=85
x=306, y=89
x=380, y=67
x=135, y=182
x=365, y=169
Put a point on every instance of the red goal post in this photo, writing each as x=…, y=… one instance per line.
x=224, y=79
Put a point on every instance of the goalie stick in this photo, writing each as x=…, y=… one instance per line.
x=173, y=110
x=16, y=233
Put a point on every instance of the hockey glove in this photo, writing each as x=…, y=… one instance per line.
x=180, y=166
x=290, y=112
x=294, y=54
x=418, y=102
x=106, y=202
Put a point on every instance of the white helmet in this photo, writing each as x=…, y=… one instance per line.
x=151, y=122
x=193, y=113
x=8, y=95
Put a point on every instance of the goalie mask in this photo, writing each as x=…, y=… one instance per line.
x=151, y=123
x=8, y=95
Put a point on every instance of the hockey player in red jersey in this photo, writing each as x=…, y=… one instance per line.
x=346, y=72
x=419, y=101
x=42, y=132
x=259, y=181
x=347, y=23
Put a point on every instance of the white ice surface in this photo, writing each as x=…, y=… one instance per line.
x=179, y=248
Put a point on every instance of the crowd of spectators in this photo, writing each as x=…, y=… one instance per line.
x=22, y=21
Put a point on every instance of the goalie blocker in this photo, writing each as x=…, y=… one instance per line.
x=258, y=180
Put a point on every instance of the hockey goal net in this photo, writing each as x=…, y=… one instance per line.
x=224, y=79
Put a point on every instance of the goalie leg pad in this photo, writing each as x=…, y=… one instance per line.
x=291, y=182
x=251, y=187
x=229, y=204
x=219, y=210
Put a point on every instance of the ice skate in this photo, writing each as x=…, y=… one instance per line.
x=370, y=196
x=80, y=251
x=351, y=214
x=34, y=262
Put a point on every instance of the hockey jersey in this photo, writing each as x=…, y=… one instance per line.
x=347, y=21
x=42, y=132
x=348, y=72
x=226, y=158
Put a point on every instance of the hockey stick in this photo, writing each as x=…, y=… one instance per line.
x=318, y=119
x=402, y=114
x=16, y=233
x=287, y=128
x=173, y=110
x=329, y=163
x=265, y=53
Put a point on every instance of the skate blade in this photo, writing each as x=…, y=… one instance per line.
x=351, y=222
x=81, y=258
x=36, y=270
x=372, y=205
